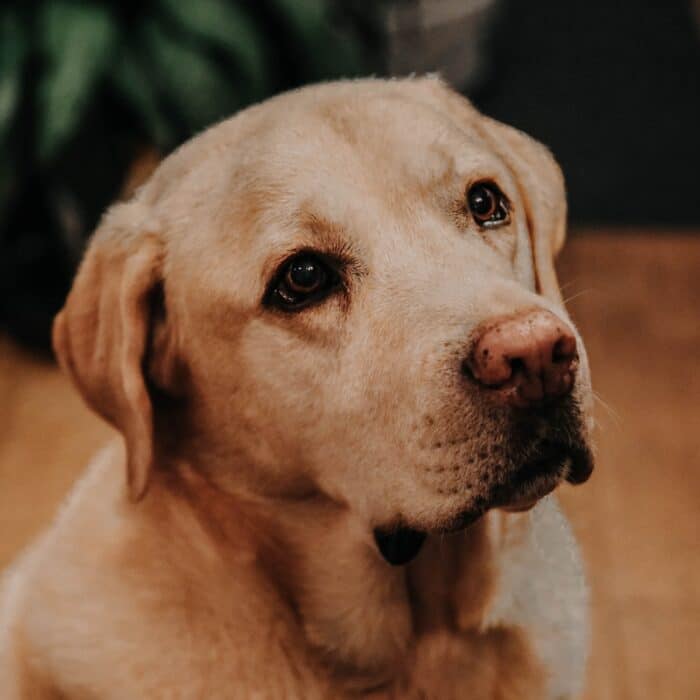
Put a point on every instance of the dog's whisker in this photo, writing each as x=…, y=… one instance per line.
x=569, y=284
x=579, y=294
x=614, y=415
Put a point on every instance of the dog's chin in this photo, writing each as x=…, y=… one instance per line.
x=540, y=476
x=524, y=487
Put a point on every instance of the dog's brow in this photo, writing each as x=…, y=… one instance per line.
x=319, y=225
x=331, y=237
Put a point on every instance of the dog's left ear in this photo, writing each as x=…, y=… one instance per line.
x=542, y=189
x=102, y=333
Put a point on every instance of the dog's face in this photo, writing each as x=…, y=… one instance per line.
x=327, y=263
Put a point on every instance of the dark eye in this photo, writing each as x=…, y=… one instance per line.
x=487, y=204
x=302, y=280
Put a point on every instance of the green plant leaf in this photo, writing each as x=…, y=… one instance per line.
x=13, y=48
x=6, y=183
x=305, y=17
x=326, y=51
x=226, y=25
x=77, y=40
x=192, y=82
x=132, y=83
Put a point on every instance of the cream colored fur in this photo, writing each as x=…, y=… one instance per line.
x=224, y=549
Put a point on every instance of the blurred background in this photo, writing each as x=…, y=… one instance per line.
x=94, y=93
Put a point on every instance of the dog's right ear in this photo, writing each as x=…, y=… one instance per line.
x=100, y=337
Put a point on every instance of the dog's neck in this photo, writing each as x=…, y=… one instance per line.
x=360, y=615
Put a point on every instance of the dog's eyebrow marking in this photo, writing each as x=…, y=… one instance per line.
x=331, y=237
x=320, y=226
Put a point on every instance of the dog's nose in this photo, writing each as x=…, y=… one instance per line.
x=526, y=359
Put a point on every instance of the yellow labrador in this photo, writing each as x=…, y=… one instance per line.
x=330, y=333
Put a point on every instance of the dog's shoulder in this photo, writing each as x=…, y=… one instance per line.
x=110, y=583
x=34, y=590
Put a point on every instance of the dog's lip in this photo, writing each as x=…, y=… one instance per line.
x=582, y=465
x=534, y=480
x=574, y=463
x=540, y=476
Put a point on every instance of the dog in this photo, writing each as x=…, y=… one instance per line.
x=330, y=333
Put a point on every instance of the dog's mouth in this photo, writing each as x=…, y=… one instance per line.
x=541, y=475
x=400, y=544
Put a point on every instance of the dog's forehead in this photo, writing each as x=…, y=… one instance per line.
x=334, y=156
x=395, y=132
x=391, y=136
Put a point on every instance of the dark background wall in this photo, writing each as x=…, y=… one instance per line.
x=614, y=89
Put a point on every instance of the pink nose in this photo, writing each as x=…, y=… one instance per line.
x=526, y=359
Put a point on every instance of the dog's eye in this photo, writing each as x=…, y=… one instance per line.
x=302, y=280
x=487, y=204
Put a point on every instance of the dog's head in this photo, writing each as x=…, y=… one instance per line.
x=346, y=290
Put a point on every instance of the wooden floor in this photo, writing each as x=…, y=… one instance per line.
x=636, y=299
x=639, y=517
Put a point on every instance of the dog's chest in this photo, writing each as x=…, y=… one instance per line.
x=454, y=652
x=495, y=611
x=437, y=644
x=482, y=665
